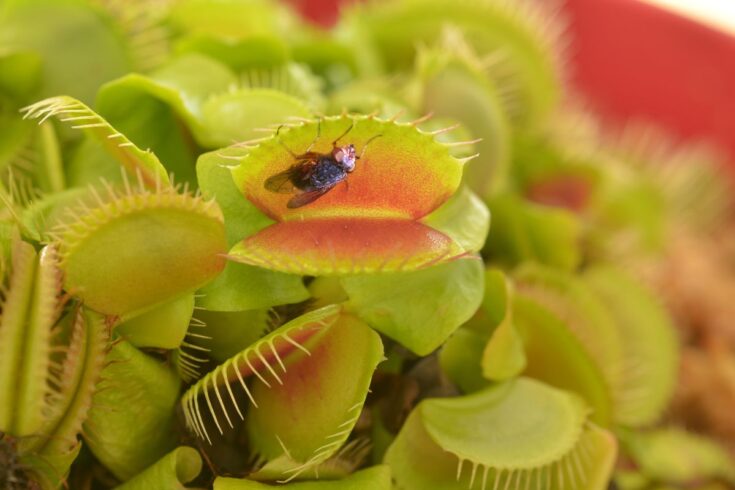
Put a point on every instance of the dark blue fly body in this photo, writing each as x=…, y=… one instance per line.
x=327, y=172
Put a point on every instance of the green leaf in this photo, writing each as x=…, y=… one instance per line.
x=460, y=359
x=453, y=87
x=131, y=423
x=226, y=333
x=238, y=115
x=246, y=287
x=330, y=384
x=518, y=431
x=524, y=231
x=89, y=164
x=141, y=164
x=230, y=20
x=242, y=218
x=555, y=356
x=262, y=51
x=280, y=343
x=150, y=110
x=504, y=356
x=162, y=327
x=496, y=302
x=525, y=33
x=20, y=72
x=589, y=320
x=141, y=249
x=678, y=457
x=30, y=309
x=373, y=478
x=326, y=359
x=650, y=345
x=180, y=466
x=77, y=42
x=419, y=309
x=465, y=218
x=80, y=371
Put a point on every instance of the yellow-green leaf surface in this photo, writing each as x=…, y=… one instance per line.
x=374, y=478
x=142, y=249
x=556, y=356
x=162, y=327
x=29, y=311
x=142, y=164
x=512, y=434
x=524, y=32
x=131, y=423
x=171, y=472
x=419, y=309
x=77, y=42
x=650, y=346
x=330, y=385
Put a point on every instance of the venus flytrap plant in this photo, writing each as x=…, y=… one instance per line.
x=163, y=327
x=177, y=468
x=300, y=368
x=135, y=216
x=478, y=105
x=398, y=240
x=674, y=457
x=127, y=441
x=298, y=339
x=374, y=478
x=49, y=372
x=530, y=36
x=203, y=100
x=441, y=445
x=77, y=115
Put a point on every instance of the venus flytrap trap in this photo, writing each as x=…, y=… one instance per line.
x=530, y=37
x=300, y=368
x=478, y=104
x=343, y=219
x=328, y=307
x=441, y=447
x=50, y=367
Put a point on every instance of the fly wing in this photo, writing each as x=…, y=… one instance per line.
x=289, y=180
x=280, y=182
x=307, y=197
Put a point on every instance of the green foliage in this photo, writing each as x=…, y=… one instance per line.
x=163, y=303
x=127, y=441
x=519, y=431
x=179, y=466
x=375, y=478
x=422, y=308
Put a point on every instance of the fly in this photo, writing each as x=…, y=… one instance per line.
x=314, y=174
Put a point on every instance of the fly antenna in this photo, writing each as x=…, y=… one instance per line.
x=349, y=128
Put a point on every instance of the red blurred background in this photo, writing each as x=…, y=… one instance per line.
x=633, y=60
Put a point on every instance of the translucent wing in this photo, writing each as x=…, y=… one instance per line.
x=281, y=183
x=307, y=197
x=295, y=177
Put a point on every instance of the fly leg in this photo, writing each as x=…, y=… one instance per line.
x=283, y=144
x=318, y=133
